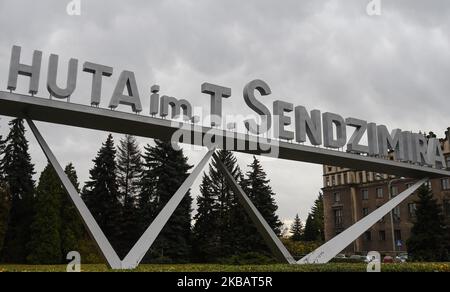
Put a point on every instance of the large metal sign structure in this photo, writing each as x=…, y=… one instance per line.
x=415, y=156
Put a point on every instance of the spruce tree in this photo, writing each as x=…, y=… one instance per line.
x=259, y=190
x=225, y=227
x=18, y=175
x=4, y=199
x=311, y=233
x=165, y=169
x=257, y=187
x=72, y=229
x=226, y=203
x=2, y=153
x=101, y=192
x=429, y=233
x=314, y=226
x=205, y=231
x=318, y=215
x=129, y=172
x=45, y=244
x=147, y=201
x=297, y=229
x=4, y=212
x=243, y=236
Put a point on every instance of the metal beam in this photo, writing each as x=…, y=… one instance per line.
x=331, y=248
x=94, y=230
x=263, y=228
x=135, y=255
x=65, y=113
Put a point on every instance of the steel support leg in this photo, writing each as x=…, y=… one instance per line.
x=331, y=248
x=94, y=230
x=134, y=257
x=263, y=228
x=144, y=243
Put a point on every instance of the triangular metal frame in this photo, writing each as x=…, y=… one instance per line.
x=331, y=248
x=138, y=251
x=321, y=255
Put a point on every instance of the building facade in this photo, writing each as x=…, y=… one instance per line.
x=349, y=195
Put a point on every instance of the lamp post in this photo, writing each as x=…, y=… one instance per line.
x=391, y=214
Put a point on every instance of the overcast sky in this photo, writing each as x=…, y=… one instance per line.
x=329, y=55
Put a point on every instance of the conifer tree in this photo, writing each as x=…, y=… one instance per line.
x=4, y=212
x=227, y=205
x=259, y=190
x=165, y=169
x=18, y=175
x=429, y=235
x=147, y=200
x=297, y=229
x=72, y=229
x=314, y=226
x=311, y=232
x=45, y=244
x=205, y=236
x=129, y=167
x=101, y=192
x=223, y=230
x=257, y=187
x=4, y=199
x=2, y=152
x=129, y=172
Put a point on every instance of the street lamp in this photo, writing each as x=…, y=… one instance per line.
x=392, y=211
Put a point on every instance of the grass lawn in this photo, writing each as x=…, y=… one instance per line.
x=331, y=267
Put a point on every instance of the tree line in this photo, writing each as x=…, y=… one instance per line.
x=127, y=188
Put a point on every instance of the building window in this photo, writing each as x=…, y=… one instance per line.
x=328, y=182
x=411, y=210
x=365, y=212
x=380, y=193
x=338, y=217
x=397, y=234
x=333, y=178
x=445, y=184
x=382, y=235
x=368, y=236
x=360, y=180
x=337, y=197
x=365, y=194
x=396, y=214
x=394, y=191
x=344, y=178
